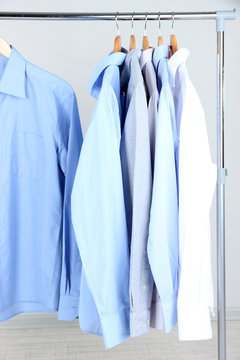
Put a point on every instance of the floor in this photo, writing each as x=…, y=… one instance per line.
x=69, y=343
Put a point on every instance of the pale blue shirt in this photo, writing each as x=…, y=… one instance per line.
x=150, y=79
x=163, y=227
x=137, y=180
x=98, y=206
x=40, y=142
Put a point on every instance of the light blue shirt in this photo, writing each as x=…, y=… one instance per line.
x=150, y=78
x=137, y=180
x=98, y=206
x=163, y=227
x=40, y=142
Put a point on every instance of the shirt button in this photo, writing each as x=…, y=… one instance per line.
x=144, y=286
x=147, y=322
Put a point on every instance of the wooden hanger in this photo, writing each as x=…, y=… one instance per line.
x=145, y=42
x=132, y=43
x=160, y=38
x=173, y=39
x=117, y=41
x=5, y=48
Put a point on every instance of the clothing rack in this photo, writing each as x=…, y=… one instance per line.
x=219, y=17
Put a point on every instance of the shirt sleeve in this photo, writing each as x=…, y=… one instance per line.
x=100, y=222
x=70, y=142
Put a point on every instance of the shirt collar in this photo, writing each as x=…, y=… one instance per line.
x=95, y=82
x=160, y=53
x=125, y=76
x=179, y=57
x=146, y=57
x=12, y=81
x=130, y=55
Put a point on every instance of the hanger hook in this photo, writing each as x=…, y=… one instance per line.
x=159, y=23
x=172, y=22
x=132, y=23
x=145, y=26
x=116, y=22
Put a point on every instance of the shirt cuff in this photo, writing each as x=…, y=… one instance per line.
x=139, y=323
x=68, y=307
x=169, y=313
x=194, y=323
x=115, y=328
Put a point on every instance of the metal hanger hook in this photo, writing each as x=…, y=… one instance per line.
x=145, y=26
x=132, y=23
x=172, y=22
x=159, y=23
x=116, y=22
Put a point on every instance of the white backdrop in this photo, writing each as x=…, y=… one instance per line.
x=72, y=50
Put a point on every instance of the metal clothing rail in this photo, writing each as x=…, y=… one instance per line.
x=123, y=16
x=219, y=17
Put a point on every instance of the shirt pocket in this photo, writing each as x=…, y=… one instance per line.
x=27, y=155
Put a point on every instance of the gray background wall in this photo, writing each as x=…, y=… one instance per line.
x=73, y=49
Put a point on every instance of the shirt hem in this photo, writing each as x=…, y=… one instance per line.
x=156, y=321
x=24, y=307
x=68, y=309
x=194, y=323
x=91, y=332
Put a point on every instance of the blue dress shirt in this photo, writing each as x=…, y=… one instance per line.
x=137, y=182
x=98, y=206
x=163, y=227
x=40, y=142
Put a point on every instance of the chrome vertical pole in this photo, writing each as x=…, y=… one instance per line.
x=221, y=199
